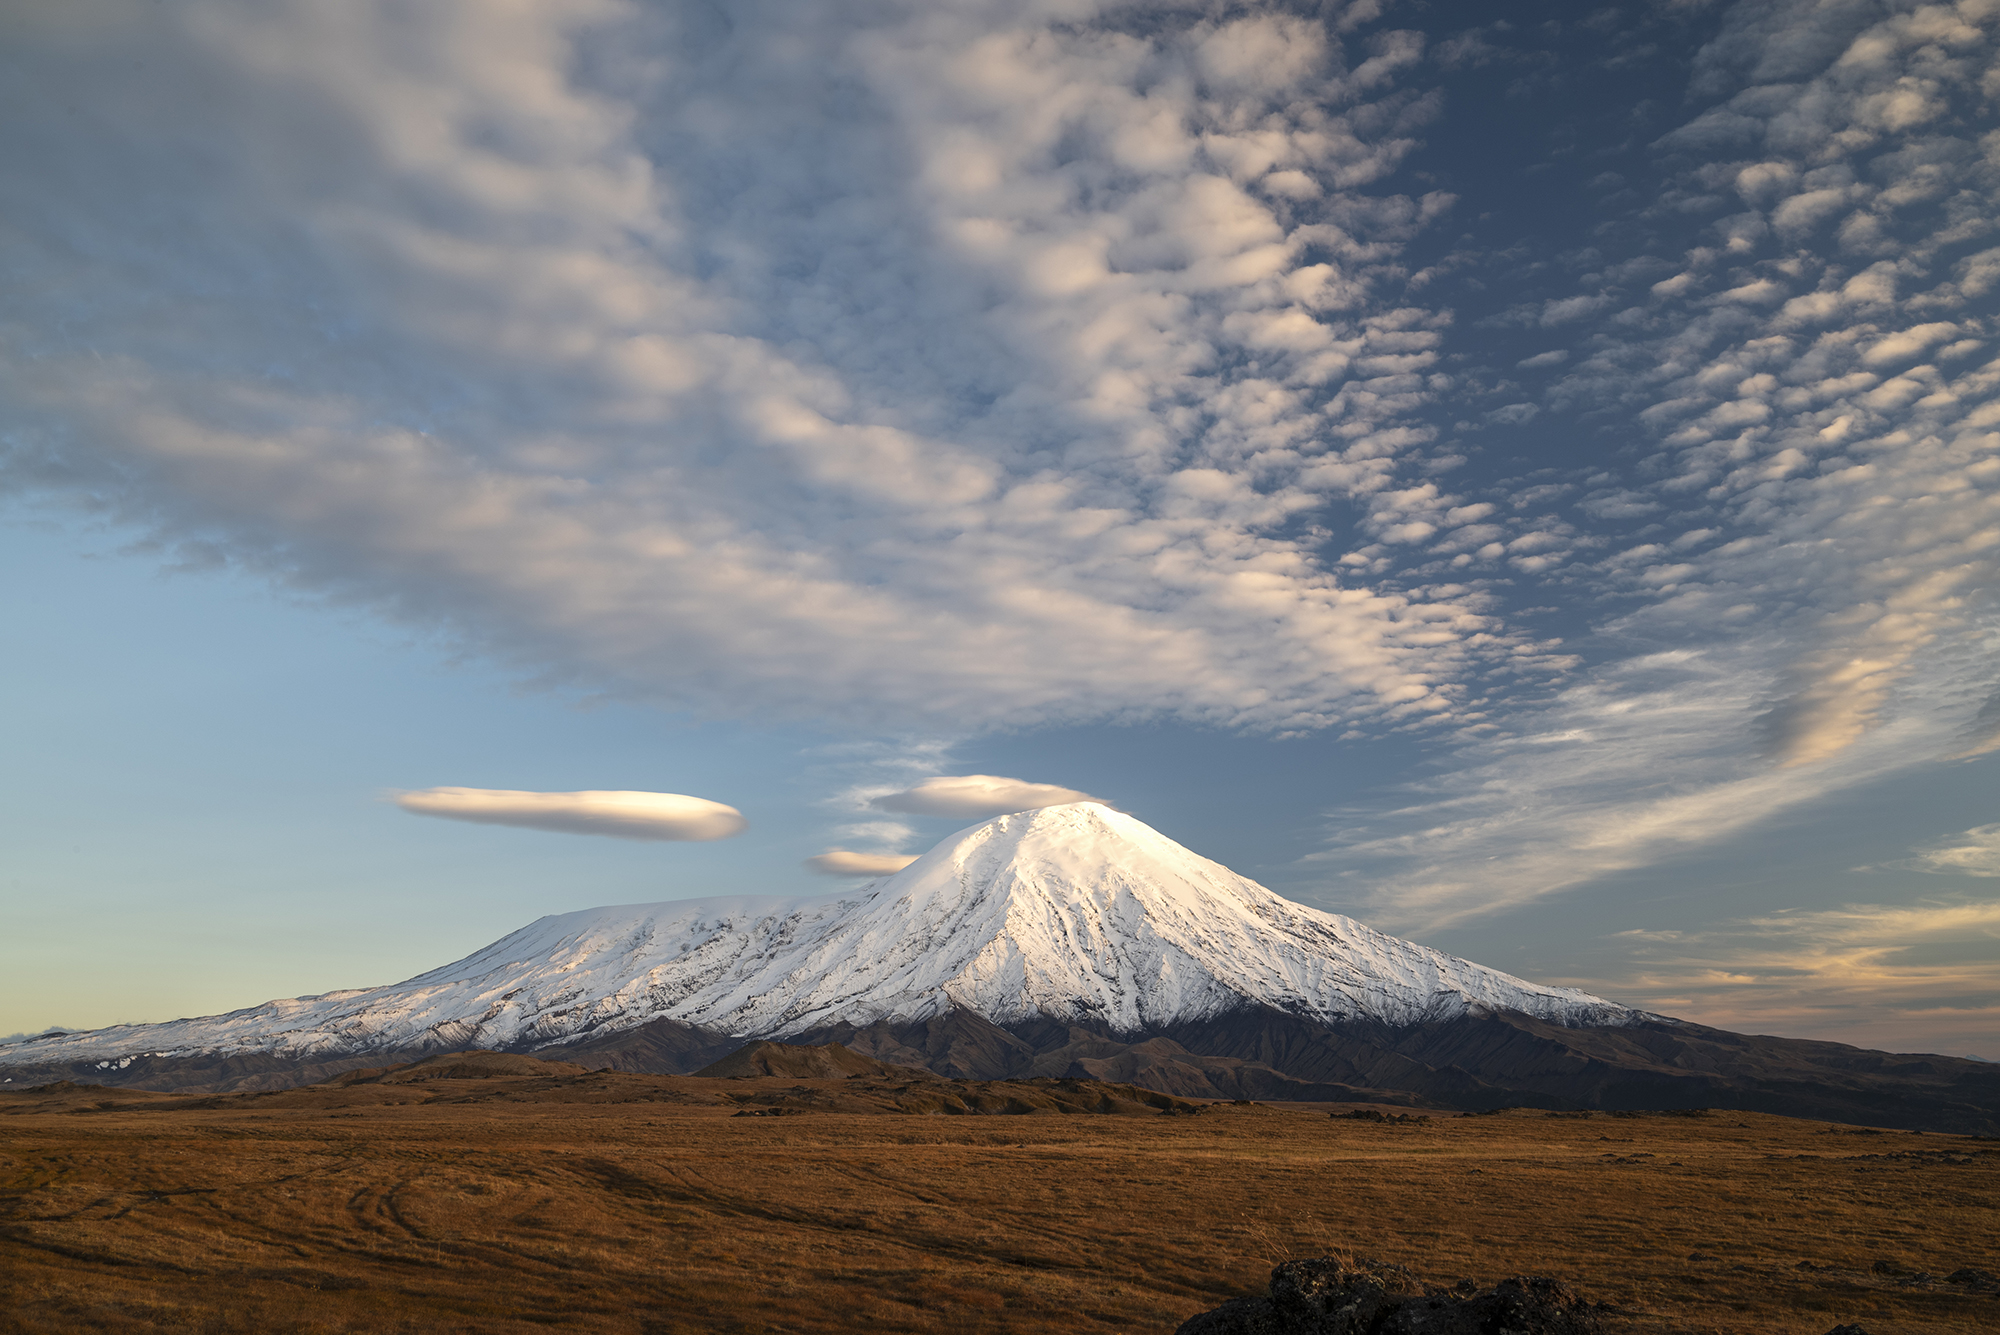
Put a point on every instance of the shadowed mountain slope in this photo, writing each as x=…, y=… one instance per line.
x=1475, y=1062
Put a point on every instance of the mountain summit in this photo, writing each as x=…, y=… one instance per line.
x=1082, y=913
x=1074, y=913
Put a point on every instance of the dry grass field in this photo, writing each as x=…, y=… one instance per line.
x=623, y=1203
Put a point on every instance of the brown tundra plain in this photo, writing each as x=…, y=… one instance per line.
x=536, y=1196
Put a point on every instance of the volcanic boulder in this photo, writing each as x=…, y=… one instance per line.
x=1328, y=1296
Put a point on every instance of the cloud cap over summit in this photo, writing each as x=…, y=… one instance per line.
x=976, y=795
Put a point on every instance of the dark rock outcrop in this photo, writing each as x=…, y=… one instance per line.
x=1332, y=1297
x=658, y=1047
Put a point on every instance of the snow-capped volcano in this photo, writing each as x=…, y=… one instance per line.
x=1072, y=912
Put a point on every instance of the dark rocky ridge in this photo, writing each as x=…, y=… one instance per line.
x=829, y=1061
x=775, y=1079
x=472, y=1065
x=1477, y=1062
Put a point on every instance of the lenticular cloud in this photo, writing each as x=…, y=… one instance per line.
x=844, y=862
x=623, y=815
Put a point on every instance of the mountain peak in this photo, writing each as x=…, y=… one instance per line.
x=1074, y=912
x=1076, y=843
x=1079, y=851
x=1080, y=912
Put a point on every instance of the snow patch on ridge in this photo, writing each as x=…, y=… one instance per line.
x=1074, y=912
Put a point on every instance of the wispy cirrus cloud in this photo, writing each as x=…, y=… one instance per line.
x=1901, y=976
x=1976, y=852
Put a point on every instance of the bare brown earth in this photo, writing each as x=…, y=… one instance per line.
x=490, y=1193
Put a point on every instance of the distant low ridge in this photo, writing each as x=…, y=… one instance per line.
x=1072, y=941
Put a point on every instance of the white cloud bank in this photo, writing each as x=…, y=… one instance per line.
x=842, y=862
x=972, y=796
x=623, y=815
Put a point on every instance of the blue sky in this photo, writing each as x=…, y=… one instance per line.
x=1531, y=484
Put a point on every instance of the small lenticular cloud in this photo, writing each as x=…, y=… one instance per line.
x=840, y=862
x=977, y=795
x=622, y=815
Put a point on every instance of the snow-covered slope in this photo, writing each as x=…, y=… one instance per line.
x=1074, y=912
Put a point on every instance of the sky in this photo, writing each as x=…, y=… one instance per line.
x=1532, y=484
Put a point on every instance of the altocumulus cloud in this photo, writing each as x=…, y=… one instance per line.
x=975, y=795
x=1804, y=547
x=621, y=814
x=971, y=362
